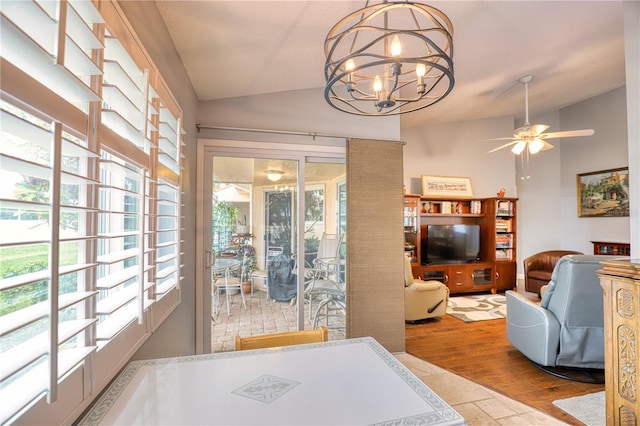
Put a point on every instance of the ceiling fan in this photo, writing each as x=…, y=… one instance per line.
x=532, y=136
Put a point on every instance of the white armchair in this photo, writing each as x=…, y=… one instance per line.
x=423, y=299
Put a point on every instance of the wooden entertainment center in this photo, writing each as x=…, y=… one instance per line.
x=495, y=268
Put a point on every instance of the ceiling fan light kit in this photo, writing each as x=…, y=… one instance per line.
x=388, y=59
x=532, y=136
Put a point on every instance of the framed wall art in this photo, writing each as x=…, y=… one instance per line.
x=446, y=186
x=604, y=193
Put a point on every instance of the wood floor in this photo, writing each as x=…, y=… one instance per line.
x=480, y=352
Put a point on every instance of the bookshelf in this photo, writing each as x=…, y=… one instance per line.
x=411, y=223
x=505, y=230
x=501, y=222
x=496, y=268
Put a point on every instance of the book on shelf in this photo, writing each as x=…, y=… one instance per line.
x=445, y=207
x=475, y=207
x=504, y=241
x=504, y=254
x=503, y=225
x=505, y=208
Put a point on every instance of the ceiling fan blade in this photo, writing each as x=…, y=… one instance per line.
x=547, y=146
x=537, y=129
x=568, y=134
x=502, y=146
x=510, y=138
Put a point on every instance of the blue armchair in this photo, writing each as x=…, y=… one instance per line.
x=566, y=328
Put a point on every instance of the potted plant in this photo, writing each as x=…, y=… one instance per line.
x=243, y=228
x=249, y=264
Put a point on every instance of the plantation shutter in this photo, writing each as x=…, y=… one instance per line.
x=44, y=255
x=89, y=215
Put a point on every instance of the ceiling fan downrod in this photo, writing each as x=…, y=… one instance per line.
x=525, y=80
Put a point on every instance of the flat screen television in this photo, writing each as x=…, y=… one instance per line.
x=452, y=243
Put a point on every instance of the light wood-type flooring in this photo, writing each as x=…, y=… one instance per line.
x=479, y=351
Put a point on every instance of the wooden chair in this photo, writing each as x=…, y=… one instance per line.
x=282, y=339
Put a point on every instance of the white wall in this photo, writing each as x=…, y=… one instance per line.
x=632, y=66
x=607, y=149
x=298, y=111
x=539, y=191
x=454, y=149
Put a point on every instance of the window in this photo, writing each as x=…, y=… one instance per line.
x=89, y=205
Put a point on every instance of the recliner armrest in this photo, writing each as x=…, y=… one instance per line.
x=533, y=330
x=432, y=285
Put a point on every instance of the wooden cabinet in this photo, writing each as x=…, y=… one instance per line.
x=620, y=281
x=505, y=275
x=471, y=278
x=461, y=278
x=611, y=249
x=495, y=268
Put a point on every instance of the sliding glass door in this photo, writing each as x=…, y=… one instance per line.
x=251, y=215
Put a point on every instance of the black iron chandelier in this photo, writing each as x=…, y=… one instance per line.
x=388, y=59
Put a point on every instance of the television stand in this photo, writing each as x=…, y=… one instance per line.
x=462, y=277
x=495, y=268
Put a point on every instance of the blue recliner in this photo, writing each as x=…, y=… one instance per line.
x=566, y=328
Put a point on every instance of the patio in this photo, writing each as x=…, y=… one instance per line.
x=262, y=316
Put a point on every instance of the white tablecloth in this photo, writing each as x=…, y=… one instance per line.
x=347, y=382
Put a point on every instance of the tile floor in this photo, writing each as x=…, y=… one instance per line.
x=262, y=316
x=477, y=404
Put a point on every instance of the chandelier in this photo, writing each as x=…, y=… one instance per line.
x=388, y=59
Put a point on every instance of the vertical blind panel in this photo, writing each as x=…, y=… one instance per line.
x=375, y=242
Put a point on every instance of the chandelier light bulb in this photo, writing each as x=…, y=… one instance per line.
x=377, y=84
x=349, y=65
x=421, y=70
x=519, y=147
x=396, y=47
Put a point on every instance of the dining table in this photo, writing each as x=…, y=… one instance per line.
x=342, y=382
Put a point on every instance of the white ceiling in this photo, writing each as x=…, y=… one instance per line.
x=574, y=50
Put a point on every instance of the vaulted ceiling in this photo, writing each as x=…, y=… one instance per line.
x=574, y=50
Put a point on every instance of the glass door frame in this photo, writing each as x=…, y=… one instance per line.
x=206, y=150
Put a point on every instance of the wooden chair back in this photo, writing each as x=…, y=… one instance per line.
x=282, y=339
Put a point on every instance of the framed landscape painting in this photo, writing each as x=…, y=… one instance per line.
x=604, y=193
x=446, y=186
